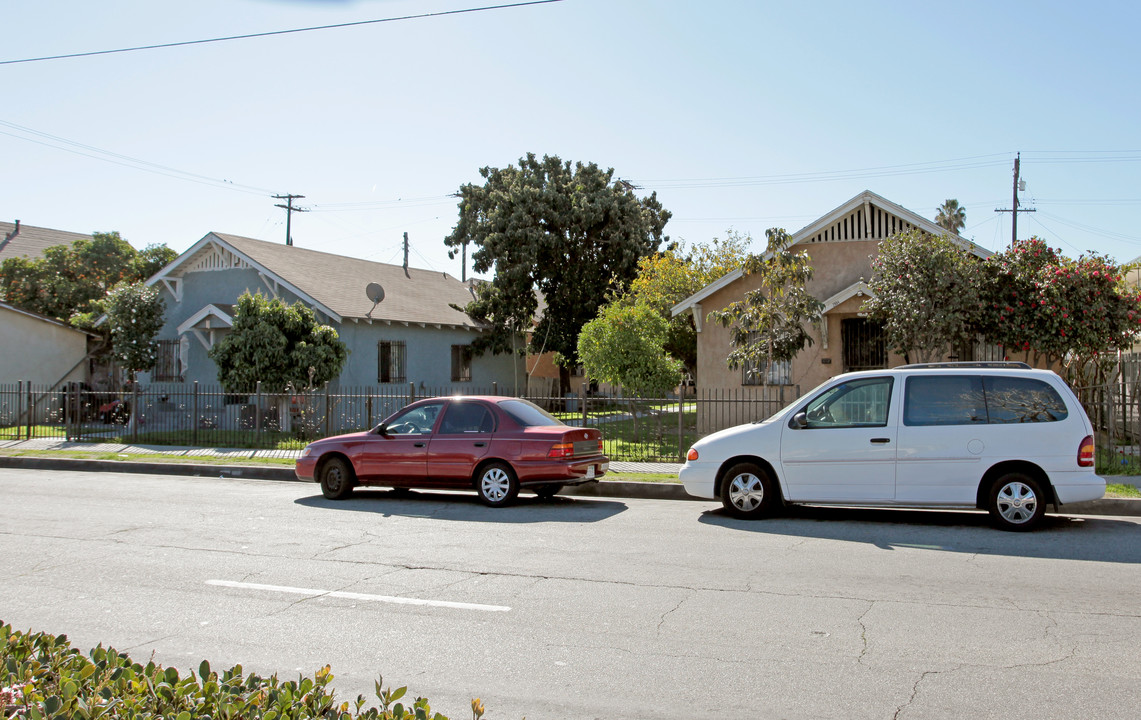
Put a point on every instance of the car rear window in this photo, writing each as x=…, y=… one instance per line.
x=972, y=399
x=528, y=414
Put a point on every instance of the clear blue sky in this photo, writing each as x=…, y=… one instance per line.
x=743, y=115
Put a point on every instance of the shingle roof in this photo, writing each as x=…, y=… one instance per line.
x=31, y=241
x=338, y=283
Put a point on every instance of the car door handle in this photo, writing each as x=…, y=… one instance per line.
x=418, y=444
x=881, y=441
x=481, y=444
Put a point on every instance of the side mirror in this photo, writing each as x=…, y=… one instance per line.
x=799, y=421
x=381, y=429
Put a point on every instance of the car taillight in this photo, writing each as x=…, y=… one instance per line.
x=692, y=454
x=561, y=450
x=1085, y=452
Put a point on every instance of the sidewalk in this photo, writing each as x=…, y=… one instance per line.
x=603, y=488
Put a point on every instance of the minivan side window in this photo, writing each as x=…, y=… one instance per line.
x=1022, y=400
x=857, y=403
x=972, y=399
x=944, y=400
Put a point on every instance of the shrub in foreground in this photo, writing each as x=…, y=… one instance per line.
x=42, y=677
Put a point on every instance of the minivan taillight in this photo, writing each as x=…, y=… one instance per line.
x=1086, y=452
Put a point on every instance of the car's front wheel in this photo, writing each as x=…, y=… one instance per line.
x=1017, y=502
x=497, y=485
x=748, y=492
x=336, y=479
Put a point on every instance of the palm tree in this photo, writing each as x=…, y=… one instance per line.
x=951, y=217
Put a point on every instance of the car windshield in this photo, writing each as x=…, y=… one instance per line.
x=528, y=414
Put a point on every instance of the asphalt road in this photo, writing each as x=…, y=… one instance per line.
x=584, y=607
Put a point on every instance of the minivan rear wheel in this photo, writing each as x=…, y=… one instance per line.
x=748, y=492
x=1017, y=502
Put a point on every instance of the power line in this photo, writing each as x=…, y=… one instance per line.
x=95, y=153
x=276, y=32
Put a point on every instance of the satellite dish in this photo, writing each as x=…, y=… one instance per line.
x=375, y=293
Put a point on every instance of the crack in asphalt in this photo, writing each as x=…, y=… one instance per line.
x=864, y=631
x=915, y=690
x=667, y=613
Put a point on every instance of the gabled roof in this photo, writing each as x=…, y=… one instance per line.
x=866, y=216
x=20, y=240
x=332, y=284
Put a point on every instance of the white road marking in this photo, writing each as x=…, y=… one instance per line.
x=358, y=596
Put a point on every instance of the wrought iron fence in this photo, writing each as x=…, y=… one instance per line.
x=634, y=428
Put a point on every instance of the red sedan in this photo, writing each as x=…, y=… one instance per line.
x=495, y=445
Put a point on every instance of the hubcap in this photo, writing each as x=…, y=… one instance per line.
x=1017, y=502
x=495, y=484
x=746, y=492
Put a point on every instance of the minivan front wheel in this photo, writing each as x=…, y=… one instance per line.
x=1017, y=502
x=748, y=492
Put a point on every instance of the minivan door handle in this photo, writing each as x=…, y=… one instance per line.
x=881, y=440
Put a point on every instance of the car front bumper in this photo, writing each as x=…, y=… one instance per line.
x=305, y=468
x=699, y=479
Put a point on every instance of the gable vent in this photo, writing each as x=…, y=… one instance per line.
x=864, y=223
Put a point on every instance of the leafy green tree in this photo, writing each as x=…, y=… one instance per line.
x=925, y=294
x=279, y=344
x=134, y=316
x=565, y=233
x=770, y=324
x=624, y=346
x=67, y=281
x=666, y=278
x=951, y=217
x=1035, y=300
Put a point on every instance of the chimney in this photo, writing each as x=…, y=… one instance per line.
x=9, y=236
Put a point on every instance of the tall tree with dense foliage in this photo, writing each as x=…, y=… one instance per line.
x=951, y=216
x=67, y=280
x=134, y=315
x=624, y=346
x=925, y=295
x=279, y=344
x=1036, y=301
x=666, y=278
x=567, y=232
x=771, y=323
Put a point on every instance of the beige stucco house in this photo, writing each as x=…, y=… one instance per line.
x=842, y=245
x=40, y=350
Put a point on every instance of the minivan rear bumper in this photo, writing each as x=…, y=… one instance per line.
x=1072, y=487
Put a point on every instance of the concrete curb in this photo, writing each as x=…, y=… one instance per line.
x=1127, y=507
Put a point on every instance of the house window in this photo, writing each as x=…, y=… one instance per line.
x=167, y=365
x=390, y=362
x=461, y=363
x=762, y=372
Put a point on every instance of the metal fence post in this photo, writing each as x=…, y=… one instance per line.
x=328, y=410
x=411, y=393
x=135, y=411
x=582, y=392
x=194, y=422
x=31, y=409
x=494, y=388
x=681, y=449
x=257, y=413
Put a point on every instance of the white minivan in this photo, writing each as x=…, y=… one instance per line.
x=996, y=436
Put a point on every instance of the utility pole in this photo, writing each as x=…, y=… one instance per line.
x=289, y=210
x=406, y=254
x=1014, y=209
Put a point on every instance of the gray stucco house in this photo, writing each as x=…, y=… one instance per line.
x=413, y=336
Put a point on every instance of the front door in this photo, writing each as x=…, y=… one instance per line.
x=845, y=452
x=863, y=344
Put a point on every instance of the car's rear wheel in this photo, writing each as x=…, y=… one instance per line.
x=748, y=492
x=497, y=484
x=1017, y=502
x=548, y=491
x=336, y=479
